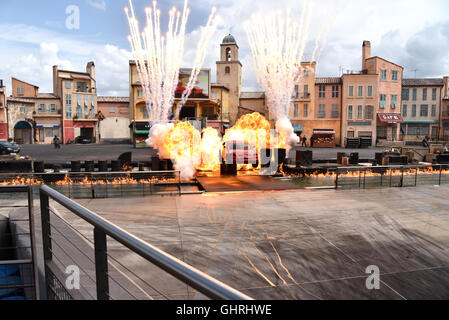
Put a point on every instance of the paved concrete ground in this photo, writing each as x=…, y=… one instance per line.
x=294, y=245
x=112, y=152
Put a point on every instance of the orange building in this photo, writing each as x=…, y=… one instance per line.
x=372, y=100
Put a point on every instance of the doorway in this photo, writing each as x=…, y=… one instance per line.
x=23, y=133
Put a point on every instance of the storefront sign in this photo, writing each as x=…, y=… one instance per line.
x=390, y=118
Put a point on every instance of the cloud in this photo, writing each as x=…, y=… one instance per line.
x=97, y=4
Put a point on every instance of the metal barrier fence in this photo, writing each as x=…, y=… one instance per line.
x=390, y=176
x=102, y=275
x=18, y=266
x=103, y=185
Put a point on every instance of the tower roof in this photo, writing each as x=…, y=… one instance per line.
x=229, y=39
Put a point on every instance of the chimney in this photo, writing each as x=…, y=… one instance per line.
x=55, y=81
x=90, y=69
x=366, y=53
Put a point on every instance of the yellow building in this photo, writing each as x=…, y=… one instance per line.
x=210, y=109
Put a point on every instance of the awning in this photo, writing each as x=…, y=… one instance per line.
x=390, y=118
x=48, y=125
x=422, y=121
x=145, y=132
x=326, y=132
x=298, y=127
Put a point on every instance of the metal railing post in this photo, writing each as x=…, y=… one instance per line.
x=441, y=172
x=402, y=177
x=416, y=176
x=336, y=178
x=33, y=241
x=101, y=264
x=46, y=230
x=391, y=177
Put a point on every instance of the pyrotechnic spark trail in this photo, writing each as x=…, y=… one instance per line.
x=158, y=58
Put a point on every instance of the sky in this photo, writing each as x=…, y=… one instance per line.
x=34, y=36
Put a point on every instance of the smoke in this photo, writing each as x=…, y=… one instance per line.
x=286, y=131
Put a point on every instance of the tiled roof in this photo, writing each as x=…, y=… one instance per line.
x=46, y=96
x=328, y=80
x=429, y=82
x=22, y=100
x=252, y=95
x=113, y=99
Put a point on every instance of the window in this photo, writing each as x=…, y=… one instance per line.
x=335, y=111
x=79, y=100
x=394, y=75
x=23, y=110
x=424, y=110
x=111, y=109
x=434, y=110
x=228, y=70
x=370, y=91
x=404, y=110
x=306, y=110
x=228, y=54
x=20, y=91
x=369, y=113
x=86, y=100
x=360, y=91
x=144, y=112
x=79, y=112
x=350, y=112
x=68, y=85
x=306, y=90
x=360, y=113
x=351, y=91
x=394, y=101
x=68, y=112
x=53, y=108
x=296, y=111
x=81, y=87
x=424, y=94
x=414, y=110
x=139, y=93
x=68, y=99
x=42, y=108
x=415, y=94
x=296, y=92
x=51, y=132
x=322, y=111
x=306, y=73
x=405, y=94
x=322, y=92
x=383, y=75
x=418, y=129
x=93, y=101
x=214, y=95
x=335, y=91
x=92, y=112
x=434, y=94
x=383, y=101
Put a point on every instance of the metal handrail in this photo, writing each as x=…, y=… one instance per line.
x=198, y=280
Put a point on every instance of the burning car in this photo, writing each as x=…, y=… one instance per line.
x=240, y=152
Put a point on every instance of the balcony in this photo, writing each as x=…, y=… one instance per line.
x=301, y=96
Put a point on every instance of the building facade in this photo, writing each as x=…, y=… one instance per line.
x=421, y=109
x=3, y=113
x=45, y=117
x=77, y=92
x=113, y=119
x=444, y=134
x=328, y=109
x=371, y=104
